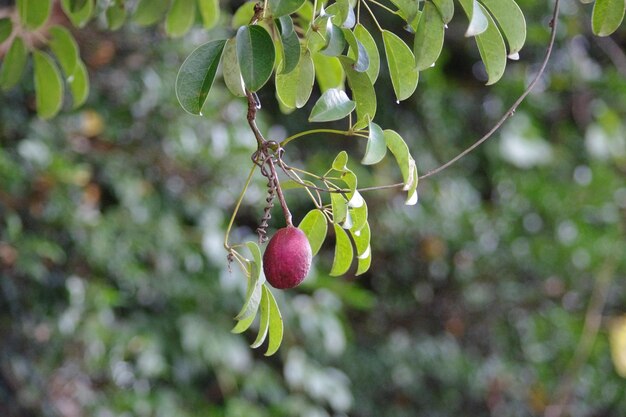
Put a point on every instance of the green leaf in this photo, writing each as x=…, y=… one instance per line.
x=294, y=89
x=76, y=5
x=6, y=28
x=264, y=322
x=428, y=37
x=243, y=14
x=256, y=253
x=357, y=51
x=335, y=40
x=64, y=47
x=342, y=13
x=406, y=163
x=180, y=17
x=334, y=104
x=407, y=9
x=376, y=146
x=13, y=64
x=291, y=46
x=115, y=14
x=34, y=13
x=254, y=289
x=343, y=252
x=401, y=64
x=511, y=22
x=79, y=84
x=363, y=92
x=363, y=263
x=276, y=325
x=243, y=325
x=446, y=9
x=368, y=42
x=48, y=85
x=210, y=12
x=361, y=239
x=230, y=69
x=284, y=7
x=340, y=209
x=256, y=55
x=148, y=12
x=315, y=226
x=196, y=76
x=340, y=162
x=81, y=14
x=359, y=215
x=492, y=50
x=607, y=16
x=328, y=72
x=478, y=22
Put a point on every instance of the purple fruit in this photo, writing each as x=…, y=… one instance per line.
x=287, y=258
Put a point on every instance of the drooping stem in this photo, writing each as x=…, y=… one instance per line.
x=285, y=141
x=279, y=192
x=253, y=106
x=237, y=205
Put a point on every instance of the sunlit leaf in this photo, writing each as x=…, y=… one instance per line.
x=376, y=146
x=335, y=40
x=315, y=226
x=357, y=51
x=341, y=161
x=253, y=291
x=34, y=13
x=255, y=52
x=401, y=63
x=607, y=16
x=406, y=163
x=343, y=252
x=13, y=64
x=364, y=262
x=264, y=322
x=478, y=22
x=65, y=49
x=617, y=339
x=276, y=325
x=363, y=92
x=428, y=37
x=180, y=17
x=210, y=12
x=359, y=216
x=334, y=104
x=196, y=76
x=148, y=12
x=243, y=325
x=368, y=42
x=340, y=208
x=230, y=69
x=294, y=89
x=328, y=72
x=510, y=21
x=48, y=85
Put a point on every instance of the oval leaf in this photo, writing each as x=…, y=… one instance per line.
x=196, y=76
x=510, y=21
x=230, y=69
x=362, y=92
x=65, y=49
x=13, y=64
x=264, y=323
x=34, y=13
x=79, y=84
x=6, y=27
x=446, y=9
x=284, y=7
x=276, y=325
x=335, y=40
x=180, y=17
x=406, y=163
x=148, y=12
x=401, y=63
x=607, y=16
x=334, y=104
x=328, y=72
x=492, y=50
x=210, y=12
x=291, y=49
x=343, y=252
x=368, y=42
x=478, y=22
x=428, y=37
x=48, y=85
x=357, y=51
x=315, y=226
x=376, y=146
x=79, y=12
x=256, y=55
x=294, y=89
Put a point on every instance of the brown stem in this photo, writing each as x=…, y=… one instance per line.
x=253, y=106
x=279, y=192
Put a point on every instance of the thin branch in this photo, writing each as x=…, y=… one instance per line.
x=279, y=192
x=511, y=110
x=253, y=107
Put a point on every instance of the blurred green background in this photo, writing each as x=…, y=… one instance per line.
x=116, y=299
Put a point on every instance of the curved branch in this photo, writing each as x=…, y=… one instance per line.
x=511, y=110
